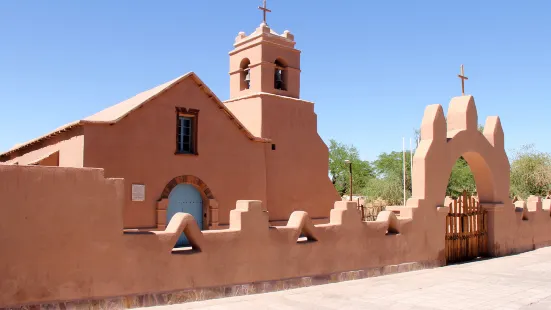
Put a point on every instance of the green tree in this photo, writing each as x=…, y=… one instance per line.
x=339, y=170
x=530, y=172
x=461, y=179
x=389, y=184
x=389, y=189
x=391, y=166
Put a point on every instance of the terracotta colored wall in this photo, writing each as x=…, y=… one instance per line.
x=58, y=230
x=251, y=110
x=52, y=160
x=61, y=228
x=140, y=148
x=69, y=144
x=296, y=170
x=298, y=167
x=65, y=241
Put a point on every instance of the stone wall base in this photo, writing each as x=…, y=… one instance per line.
x=160, y=299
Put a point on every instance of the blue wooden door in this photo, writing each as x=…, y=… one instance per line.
x=185, y=198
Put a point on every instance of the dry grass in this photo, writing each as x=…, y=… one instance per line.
x=372, y=209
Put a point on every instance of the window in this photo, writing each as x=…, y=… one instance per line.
x=186, y=131
x=185, y=134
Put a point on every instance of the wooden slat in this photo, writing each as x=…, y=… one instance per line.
x=447, y=243
x=475, y=227
x=454, y=240
x=463, y=240
x=471, y=229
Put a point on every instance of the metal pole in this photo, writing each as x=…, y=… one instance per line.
x=404, y=166
x=350, y=167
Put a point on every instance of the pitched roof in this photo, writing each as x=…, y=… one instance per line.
x=118, y=111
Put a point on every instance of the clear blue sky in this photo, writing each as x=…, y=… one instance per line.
x=371, y=67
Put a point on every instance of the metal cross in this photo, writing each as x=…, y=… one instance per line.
x=265, y=10
x=463, y=78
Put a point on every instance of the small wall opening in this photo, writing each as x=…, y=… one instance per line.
x=392, y=231
x=305, y=239
x=185, y=250
x=306, y=236
x=524, y=211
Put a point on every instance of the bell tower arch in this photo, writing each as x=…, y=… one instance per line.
x=273, y=64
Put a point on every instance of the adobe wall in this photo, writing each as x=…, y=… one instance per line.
x=141, y=149
x=299, y=165
x=61, y=237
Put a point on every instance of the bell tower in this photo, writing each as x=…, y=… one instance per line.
x=264, y=62
x=265, y=97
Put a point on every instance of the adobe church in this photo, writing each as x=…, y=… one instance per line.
x=180, y=149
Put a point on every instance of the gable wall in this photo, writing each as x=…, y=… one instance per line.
x=140, y=148
x=69, y=144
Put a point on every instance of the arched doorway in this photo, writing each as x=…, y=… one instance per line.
x=443, y=141
x=185, y=198
x=209, y=211
x=467, y=222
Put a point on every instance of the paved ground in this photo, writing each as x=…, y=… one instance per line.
x=514, y=282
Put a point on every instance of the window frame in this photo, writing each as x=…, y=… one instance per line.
x=193, y=114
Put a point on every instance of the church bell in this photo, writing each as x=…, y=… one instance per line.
x=247, y=78
x=279, y=78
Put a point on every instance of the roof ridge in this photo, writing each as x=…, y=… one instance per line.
x=115, y=113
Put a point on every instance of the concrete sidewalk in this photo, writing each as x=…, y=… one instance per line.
x=513, y=282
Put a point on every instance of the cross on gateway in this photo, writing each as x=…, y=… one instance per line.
x=265, y=10
x=463, y=78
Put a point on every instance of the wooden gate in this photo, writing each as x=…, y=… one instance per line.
x=466, y=230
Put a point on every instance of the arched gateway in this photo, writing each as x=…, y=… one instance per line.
x=443, y=142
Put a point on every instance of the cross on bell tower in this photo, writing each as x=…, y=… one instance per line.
x=264, y=10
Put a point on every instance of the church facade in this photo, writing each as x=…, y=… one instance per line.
x=180, y=149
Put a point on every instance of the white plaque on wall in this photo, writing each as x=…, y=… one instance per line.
x=138, y=192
